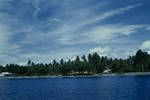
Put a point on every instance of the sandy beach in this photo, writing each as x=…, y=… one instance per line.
x=82, y=76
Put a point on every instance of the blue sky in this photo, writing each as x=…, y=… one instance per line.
x=42, y=30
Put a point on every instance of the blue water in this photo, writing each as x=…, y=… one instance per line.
x=79, y=88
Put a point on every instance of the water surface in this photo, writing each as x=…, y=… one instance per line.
x=77, y=88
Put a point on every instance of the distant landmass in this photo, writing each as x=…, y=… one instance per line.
x=85, y=65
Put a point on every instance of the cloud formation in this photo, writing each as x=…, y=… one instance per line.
x=43, y=30
x=146, y=45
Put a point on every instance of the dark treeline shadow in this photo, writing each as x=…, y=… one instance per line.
x=85, y=65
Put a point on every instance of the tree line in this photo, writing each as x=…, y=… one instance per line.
x=85, y=65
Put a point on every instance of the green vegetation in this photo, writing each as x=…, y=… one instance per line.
x=92, y=64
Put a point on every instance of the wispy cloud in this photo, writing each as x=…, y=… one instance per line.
x=5, y=46
x=110, y=14
x=106, y=32
x=53, y=29
x=97, y=32
x=102, y=33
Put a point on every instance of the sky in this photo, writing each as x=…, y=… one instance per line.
x=42, y=30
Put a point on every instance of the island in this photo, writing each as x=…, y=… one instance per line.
x=92, y=64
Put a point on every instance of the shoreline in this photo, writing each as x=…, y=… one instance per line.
x=82, y=76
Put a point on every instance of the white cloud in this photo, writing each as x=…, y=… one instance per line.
x=102, y=51
x=146, y=45
x=112, y=52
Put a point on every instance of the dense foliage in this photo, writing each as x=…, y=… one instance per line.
x=85, y=65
